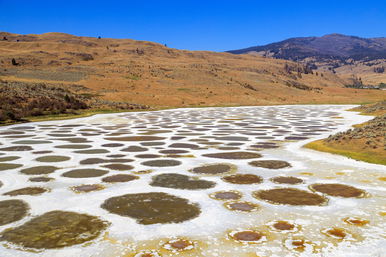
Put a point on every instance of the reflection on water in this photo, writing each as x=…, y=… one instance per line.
x=201, y=182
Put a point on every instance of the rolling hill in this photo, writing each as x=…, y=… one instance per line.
x=151, y=74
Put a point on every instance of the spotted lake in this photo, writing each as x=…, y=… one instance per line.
x=188, y=182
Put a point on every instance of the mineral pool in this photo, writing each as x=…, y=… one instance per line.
x=189, y=182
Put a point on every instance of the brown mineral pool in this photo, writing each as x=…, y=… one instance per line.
x=338, y=190
x=173, y=151
x=14, y=135
x=92, y=161
x=134, y=149
x=87, y=188
x=270, y=164
x=283, y=225
x=55, y=229
x=9, y=166
x=287, y=180
x=214, y=169
x=79, y=146
x=39, y=170
x=141, y=172
x=226, y=195
x=74, y=140
x=232, y=138
x=179, y=181
x=295, y=138
x=265, y=146
x=337, y=233
x=31, y=142
x=42, y=152
x=53, y=158
x=243, y=179
x=155, y=131
x=147, y=156
x=62, y=135
x=40, y=179
x=233, y=155
x=116, y=155
x=27, y=191
x=177, y=138
x=113, y=145
x=290, y=196
x=9, y=158
x=12, y=210
x=118, y=166
x=228, y=148
x=92, y=151
x=135, y=138
x=152, y=143
x=84, y=173
x=119, y=160
x=152, y=208
x=241, y=206
x=247, y=236
x=184, y=145
x=356, y=221
x=298, y=244
x=11, y=132
x=19, y=148
x=179, y=245
x=119, y=178
x=161, y=163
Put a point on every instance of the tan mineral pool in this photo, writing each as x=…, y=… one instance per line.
x=189, y=182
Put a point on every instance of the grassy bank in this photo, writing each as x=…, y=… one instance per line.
x=350, y=152
x=365, y=142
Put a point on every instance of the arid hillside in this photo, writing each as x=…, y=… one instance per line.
x=152, y=74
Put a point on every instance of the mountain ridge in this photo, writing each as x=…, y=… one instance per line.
x=319, y=45
x=361, y=60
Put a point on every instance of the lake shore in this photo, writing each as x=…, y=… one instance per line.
x=365, y=142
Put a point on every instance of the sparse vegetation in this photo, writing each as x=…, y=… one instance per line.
x=298, y=68
x=82, y=56
x=20, y=101
x=14, y=62
x=366, y=142
x=380, y=69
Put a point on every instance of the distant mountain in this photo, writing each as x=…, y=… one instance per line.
x=350, y=57
x=332, y=46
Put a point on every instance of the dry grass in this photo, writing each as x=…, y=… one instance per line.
x=366, y=142
x=21, y=102
x=148, y=73
x=352, y=149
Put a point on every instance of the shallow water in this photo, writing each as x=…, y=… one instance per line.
x=90, y=156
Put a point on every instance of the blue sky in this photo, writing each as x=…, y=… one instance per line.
x=196, y=25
